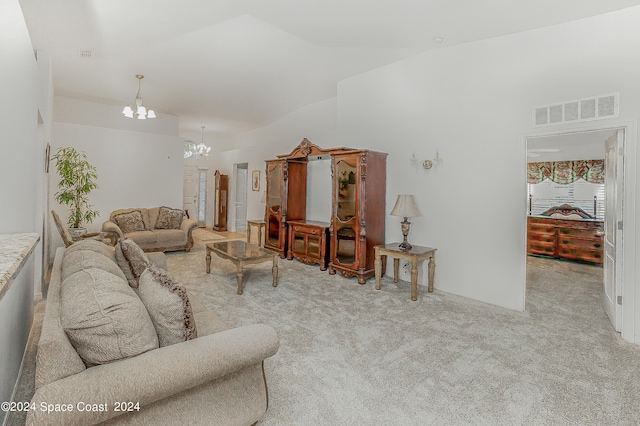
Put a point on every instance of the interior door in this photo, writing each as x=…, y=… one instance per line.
x=190, y=191
x=241, y=197
x=203, y=186
x=613, y=227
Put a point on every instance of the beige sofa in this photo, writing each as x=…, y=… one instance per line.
x=217, y=378
x=148, y=235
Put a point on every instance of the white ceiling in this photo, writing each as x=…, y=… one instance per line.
x=572, y=146
x=235, y=65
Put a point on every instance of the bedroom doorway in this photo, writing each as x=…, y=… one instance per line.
x=598, y=203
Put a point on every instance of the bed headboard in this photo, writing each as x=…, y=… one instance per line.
x=565, y=211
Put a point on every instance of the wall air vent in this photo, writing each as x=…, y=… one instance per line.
x=578, y=110
x=83, y=53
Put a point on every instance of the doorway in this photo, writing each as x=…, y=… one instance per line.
x=194, y=191
x=241, y=172
x=604, y=201
x=203, y=190
x=190, y=191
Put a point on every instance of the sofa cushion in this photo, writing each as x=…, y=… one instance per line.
x=168, y=306
x=143, y=237
x=169, y=218
x=170, y=237
x=93, y=245
x=78, y=260
x=131, y=259
x=129, y=221
x=104, y=318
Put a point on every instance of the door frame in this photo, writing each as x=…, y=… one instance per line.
x=629, y=284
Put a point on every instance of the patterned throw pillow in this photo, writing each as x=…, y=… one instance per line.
x=169, y=218
x=103, y=318
x=131, y=259
x=168, y=306
x=130, y=221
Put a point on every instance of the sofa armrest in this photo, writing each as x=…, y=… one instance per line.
x=153, y=375
x=110, y=226
x=188, y=225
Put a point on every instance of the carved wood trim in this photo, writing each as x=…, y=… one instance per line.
x=306, y=149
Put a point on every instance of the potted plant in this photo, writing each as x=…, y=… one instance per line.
x=77, y=180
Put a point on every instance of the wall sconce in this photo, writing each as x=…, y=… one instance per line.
x=437, y=160
x=426, y=164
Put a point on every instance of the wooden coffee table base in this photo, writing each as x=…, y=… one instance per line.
x=242, y=255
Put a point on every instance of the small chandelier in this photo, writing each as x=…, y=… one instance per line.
x=191, y=150
x=137, y=109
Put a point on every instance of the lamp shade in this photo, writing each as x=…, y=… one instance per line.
x=405, y=207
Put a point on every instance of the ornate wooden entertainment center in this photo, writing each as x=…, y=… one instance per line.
x=357, y=223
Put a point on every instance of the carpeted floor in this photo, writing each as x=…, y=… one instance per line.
x=351, y=355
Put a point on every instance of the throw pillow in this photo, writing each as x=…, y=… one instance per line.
x=169, y=218
x=131, y=259
x=130, y=221
x=103, y=318
x=168, y=306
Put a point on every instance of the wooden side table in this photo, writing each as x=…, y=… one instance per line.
x=261, y=226
x=414, y=256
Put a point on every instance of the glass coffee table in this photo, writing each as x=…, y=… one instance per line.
x=242, y=254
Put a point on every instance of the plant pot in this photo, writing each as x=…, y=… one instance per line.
x=75, y=232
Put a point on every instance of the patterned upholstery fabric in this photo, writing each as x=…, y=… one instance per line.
x=83, y=259
x=169, y=218
x=104, y=318
x=130, y=221
x=131, y=259
x=168, y=306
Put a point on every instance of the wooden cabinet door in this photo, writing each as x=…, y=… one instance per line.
x=274, y=234
x=344, y=243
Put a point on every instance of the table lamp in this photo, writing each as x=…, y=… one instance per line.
x=405, y=207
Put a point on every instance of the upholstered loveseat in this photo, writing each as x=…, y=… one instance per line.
x=216, y=377
x=153, y=229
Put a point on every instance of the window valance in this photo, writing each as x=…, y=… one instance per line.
x=565, y=172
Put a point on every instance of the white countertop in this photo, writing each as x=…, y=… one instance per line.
x=14, y=251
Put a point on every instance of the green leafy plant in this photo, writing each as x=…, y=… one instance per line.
x=77, y=180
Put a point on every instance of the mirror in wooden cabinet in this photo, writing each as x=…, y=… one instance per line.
x=274, y=189
x=346, y=191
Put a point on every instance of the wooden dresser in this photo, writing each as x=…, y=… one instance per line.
x=580, y=240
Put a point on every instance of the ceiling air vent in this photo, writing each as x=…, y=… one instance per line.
x=587, y=109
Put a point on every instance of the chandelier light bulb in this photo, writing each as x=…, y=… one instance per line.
x=137, y=109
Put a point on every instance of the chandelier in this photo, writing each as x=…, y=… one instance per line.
x=137, y=109
x=191, y=150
